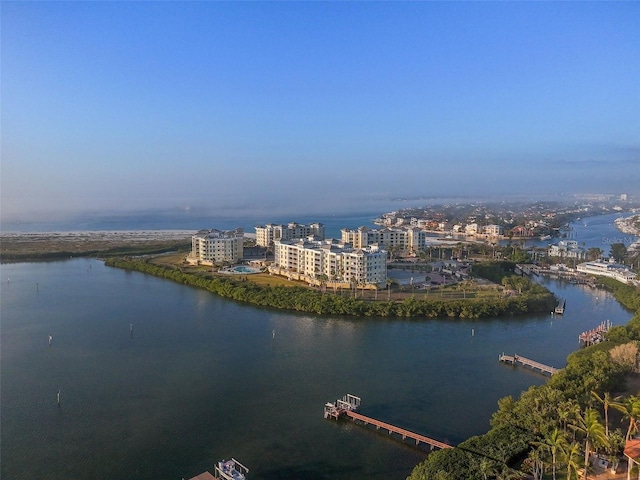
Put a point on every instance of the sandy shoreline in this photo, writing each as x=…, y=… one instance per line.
x=629, y=225
x=34, y=245
x=105, y=235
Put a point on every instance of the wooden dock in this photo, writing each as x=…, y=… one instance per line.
x=400, y=431
x=347, y=407
x=595, y=335
x=526, y=362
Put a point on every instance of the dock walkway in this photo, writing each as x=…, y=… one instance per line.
x=526, y=362
x=347, y=407
x=400, y=431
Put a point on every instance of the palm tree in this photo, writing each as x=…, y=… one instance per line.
x=589, y=425
x=605, y=400
x=630, y=408
x=553, y=443
x=536, y=463
x=508, y=473
x=616, y=445
x=571, y=458
x=567, y=411
x=486, y=468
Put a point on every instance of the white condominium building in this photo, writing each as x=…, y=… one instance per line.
x=493, y=230
x=613, y=270
x=333, y=261
x=216, y=246
x=410, y=239
x=267, y=234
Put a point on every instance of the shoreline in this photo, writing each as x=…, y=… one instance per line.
x=628, y=226
x=39, y=246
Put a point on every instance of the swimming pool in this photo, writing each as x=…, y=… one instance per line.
x=241, y=270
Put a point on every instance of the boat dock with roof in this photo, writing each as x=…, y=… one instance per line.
x=595, y=335
x=225, y=470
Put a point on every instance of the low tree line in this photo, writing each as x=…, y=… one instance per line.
x=534, y=298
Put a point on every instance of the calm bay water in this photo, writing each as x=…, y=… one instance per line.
x=202, y=378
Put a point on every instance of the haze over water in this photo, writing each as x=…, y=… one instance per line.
x=203, y=378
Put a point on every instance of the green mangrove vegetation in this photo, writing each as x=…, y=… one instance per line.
x=530, y=298
x=553, y=430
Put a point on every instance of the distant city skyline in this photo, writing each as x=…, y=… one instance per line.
x=313, y=107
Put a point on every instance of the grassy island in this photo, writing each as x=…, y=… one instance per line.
x=530, y=297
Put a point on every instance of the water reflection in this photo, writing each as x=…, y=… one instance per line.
x=203, y=378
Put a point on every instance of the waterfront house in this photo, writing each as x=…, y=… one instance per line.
x=567, y=249
x=608, y=269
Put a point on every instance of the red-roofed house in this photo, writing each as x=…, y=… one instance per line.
x=632, y=452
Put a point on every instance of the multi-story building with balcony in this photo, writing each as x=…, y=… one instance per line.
x=608, y=269
x=213, y=246
x=567, y=249
x=493, y=230
x=410, y=238
x=267, y=234
x=317, y=261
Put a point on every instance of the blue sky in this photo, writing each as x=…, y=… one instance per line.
x=313, y=106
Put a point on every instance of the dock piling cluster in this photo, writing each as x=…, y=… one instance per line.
x=595, y=335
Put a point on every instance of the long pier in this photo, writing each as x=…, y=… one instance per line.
x=526, y=362
x=400, y=431
x=347, y=407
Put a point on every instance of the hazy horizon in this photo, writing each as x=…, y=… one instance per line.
x=258, y=108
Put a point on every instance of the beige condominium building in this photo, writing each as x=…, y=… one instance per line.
x=267, y=234
x=213, y=246
x=330, y=261
x=411, y=239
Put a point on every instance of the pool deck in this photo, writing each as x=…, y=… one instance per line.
x=246, y=270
